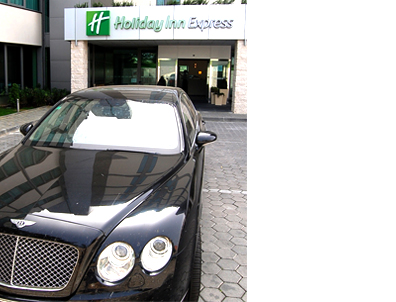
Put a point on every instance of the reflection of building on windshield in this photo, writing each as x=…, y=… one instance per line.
x=112, y=108
x=75, y=181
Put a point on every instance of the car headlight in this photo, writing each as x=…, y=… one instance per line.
x=156, y=253
x=116, y=261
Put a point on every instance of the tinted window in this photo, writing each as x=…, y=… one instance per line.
x=111, y=124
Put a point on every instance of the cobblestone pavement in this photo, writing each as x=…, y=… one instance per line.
x=224, y=213
x=12, y=122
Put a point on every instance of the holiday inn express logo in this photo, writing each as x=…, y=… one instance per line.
x=98, y=23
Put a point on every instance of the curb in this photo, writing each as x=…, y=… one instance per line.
x=223, y=117
x=4, y=132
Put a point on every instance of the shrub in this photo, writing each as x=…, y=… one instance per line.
x=224, y=2
x=35, y=97
x=14, y=94
x=81, y=5
x=123, y=3
x=57, y=94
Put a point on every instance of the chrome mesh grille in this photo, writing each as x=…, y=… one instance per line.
x=35, y=264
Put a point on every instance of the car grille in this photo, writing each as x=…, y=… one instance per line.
x=29, y=263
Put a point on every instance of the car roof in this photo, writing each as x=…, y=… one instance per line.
x=133, y=92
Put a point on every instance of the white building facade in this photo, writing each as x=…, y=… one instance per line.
x=195, y=47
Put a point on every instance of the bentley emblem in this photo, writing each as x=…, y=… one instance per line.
x=20, y=223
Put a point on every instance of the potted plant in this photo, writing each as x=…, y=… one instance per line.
x=225, y=92
x=218, y=96
x=213, y=90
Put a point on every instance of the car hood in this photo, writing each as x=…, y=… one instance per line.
x=96, y=189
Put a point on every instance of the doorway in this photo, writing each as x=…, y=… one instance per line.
x=193, y=79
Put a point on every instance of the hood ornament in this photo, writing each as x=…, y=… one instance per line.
x=20, y=223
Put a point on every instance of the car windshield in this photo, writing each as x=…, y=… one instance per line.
x=111, y=124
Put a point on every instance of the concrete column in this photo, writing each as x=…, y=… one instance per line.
x=239, y=99
x=79, y=65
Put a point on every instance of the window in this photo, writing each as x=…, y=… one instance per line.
x=29, y=4
x=149, y=68
x=14, y=65
x=2, y=71
x=122, y=66
x=17, y=2
x=111, y=124
x=189, y=117
x=32, y=4
x=167, y=69
x=46, y=14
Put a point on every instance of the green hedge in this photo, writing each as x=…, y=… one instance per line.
x=35, y=97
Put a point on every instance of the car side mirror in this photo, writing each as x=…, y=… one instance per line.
x=24, y=129
x=205, y=138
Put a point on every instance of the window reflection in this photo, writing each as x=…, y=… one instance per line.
x=55, y=182
x=167, y=69
x=111, y=124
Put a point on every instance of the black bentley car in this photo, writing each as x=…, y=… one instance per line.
x=101, y=199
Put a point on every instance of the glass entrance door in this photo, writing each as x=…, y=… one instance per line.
x=193, y=78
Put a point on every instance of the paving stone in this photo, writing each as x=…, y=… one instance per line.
x=221, y=227
x=230, y=276
x=210, y=257
x=239, y=249
x=238, y=233
x=212, y=294
x=239, y=241
x=212, y=280
x=226, y=253
x=242, y=270
x=228, y=264
x=224, y=244
x=244, y=297
x=233, y=217
x=232, y=290
x=241, y=259
x=231, y=299
x=229, y=207
x=218, y=214
x=242, y=283
x=209, y=247
x=235, y=225
x=223, y=236
x=210, y=268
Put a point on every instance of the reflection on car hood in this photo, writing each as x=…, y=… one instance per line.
x=87, y=187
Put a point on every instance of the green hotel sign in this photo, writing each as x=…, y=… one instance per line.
x=98, y=23
x=178, y=22
x=168, y=23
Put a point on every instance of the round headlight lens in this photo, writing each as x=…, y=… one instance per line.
x=156, y=253
x=116, y=261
